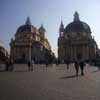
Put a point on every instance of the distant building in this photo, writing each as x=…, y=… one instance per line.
x=75, y=41
x=3, y=54
x=30, y=44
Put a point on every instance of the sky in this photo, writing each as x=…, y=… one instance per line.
x=13, y=14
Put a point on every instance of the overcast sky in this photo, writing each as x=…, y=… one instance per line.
x=13, y=13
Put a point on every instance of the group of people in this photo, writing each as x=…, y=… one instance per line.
x=80, y=65
x=31, y=65
x=77, y=65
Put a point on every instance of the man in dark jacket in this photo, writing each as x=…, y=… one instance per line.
x=82, y=65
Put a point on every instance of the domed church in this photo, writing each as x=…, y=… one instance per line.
x=29, y=44
x=75, y=41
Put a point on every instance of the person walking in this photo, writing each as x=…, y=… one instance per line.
x=32, y=65
x=82, y=65
x=11, y=65
x=7, y=66
x=29, y=66
x=76, y=64
x=67, y=63
x=46, y=63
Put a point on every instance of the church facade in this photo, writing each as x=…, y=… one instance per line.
x=75, y=41
x=30, y=44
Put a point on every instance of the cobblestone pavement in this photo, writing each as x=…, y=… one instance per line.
x=53, y=83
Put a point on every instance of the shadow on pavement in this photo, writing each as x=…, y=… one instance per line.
x=67, y=77
x=2, y=71
x=71, y=76
x=21, y=71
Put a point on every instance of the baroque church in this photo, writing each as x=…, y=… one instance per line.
x=30, y=44
x=75, y=41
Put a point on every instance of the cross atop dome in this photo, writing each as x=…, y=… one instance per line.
x=76, y=16
x=28, y=22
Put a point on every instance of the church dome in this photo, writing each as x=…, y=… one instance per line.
x=28, y=27
x=77, y=25
x=25, y=28
x=42, y=29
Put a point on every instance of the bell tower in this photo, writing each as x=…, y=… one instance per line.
x=61, y=29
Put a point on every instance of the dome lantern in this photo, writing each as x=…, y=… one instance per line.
x=28, y=22
x=42, y=29
x=76, y=16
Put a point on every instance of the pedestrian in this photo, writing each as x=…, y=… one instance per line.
x=32, y=65
x=11, y=66
x=7, y=66
x=76, y=67
x=29, y=66
x=46, y=63
x=67, y=63
x=82, y=65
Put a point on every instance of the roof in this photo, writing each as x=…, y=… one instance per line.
x=25, y=28
x=78, y=26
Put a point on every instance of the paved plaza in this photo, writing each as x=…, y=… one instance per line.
x=52, y=83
